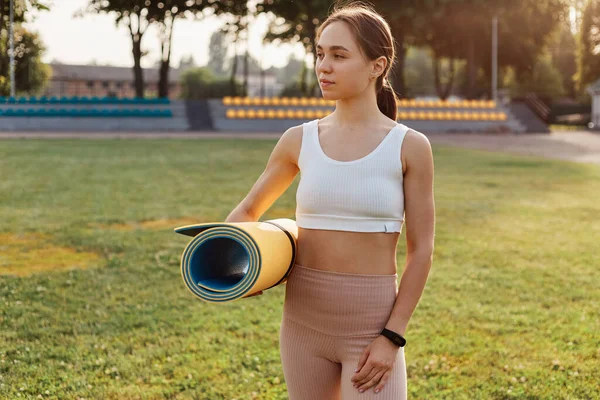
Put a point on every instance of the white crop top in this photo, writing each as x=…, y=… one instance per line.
x=363, y=195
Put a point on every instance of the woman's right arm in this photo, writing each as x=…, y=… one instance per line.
x=279, y=173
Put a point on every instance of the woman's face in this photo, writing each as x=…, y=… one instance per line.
x=340, y=60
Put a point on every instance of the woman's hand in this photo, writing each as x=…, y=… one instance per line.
x=375, y=364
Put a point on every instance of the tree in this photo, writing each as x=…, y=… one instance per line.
x=235, y=28
x=134, y=15
x=217, y=53
x=543, y=79
x=296, y=22
x=165, y=13
x=187, y=62
x=461, y=29
x=588, y=69
x=565, y=59
x=30, y=73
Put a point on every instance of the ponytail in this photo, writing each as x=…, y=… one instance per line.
x=387, y=101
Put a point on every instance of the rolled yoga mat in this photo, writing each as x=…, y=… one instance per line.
x=228, y=261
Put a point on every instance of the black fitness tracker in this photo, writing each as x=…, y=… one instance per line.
x=394, y=337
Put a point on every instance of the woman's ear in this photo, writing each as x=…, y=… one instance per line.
x=378, y=67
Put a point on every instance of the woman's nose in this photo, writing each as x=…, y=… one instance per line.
x=323, y=65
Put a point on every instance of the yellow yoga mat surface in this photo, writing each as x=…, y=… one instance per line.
x=227, y=261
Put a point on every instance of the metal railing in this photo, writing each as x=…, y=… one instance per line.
x=538, y=106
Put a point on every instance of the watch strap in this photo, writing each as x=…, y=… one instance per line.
x=394, y=337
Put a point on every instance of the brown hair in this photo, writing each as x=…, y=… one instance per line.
x=375, y=39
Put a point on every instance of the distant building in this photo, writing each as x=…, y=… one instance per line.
x=102, y=81
x=594, y=91
x=106, y=81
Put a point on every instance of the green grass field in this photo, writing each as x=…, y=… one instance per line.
x=92, y=304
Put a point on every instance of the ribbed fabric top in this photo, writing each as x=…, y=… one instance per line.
x=363, y=195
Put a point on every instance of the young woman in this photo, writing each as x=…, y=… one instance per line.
x=363, y=175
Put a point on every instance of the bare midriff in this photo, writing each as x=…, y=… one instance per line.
x=371, y=253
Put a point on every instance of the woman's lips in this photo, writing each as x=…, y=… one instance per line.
x=326, y=84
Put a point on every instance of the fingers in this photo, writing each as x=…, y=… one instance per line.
x=383, y=381
x=369, y=373
x=372, y=382
x=361, y=363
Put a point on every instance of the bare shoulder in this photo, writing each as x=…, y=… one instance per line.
x=291, y=142
x=416, y=150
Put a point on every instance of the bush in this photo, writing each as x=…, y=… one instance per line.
x=201, y=83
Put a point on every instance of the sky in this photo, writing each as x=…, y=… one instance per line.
x=95, y=38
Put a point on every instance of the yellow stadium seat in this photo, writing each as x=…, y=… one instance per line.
x=230, y=113
x=271, y=114
x=250, y=114
x=236, y=101
x=300, y=113
x=422, y=115
x=275, y=101
x=304, y=101
x=240, y=113
x=227, y=100
x=294, y=101
x=309, y=114
x=285, y=101
x=260, y=114
x=280, y=114
x=246, y=101
x=313, y=101
x=412, y=115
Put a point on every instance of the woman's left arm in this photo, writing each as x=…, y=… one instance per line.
x=377, y=359
x=419, y=209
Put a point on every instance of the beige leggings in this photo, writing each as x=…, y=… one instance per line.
x=328, y=319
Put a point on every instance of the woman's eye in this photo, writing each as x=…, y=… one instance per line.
x=337, y=55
